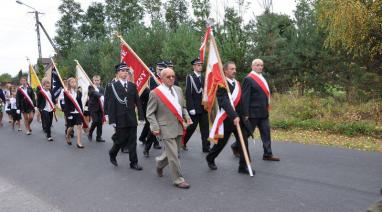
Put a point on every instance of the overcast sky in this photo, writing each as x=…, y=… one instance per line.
x=18, y=39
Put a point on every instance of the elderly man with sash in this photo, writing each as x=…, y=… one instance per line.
x=166, y=113
x=227, y=118
x=255, y=105
x=25, y=101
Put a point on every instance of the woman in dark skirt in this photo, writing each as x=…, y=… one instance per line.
x=25, y=100
x=14, y=111
x=73, y=116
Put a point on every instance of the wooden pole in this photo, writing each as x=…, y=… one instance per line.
x=242, y=143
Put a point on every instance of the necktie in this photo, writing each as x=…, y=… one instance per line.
x=172, y=93
x=233, y=84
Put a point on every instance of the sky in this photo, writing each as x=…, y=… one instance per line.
x=18, y=39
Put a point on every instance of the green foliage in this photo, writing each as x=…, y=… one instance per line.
x=123, y=14
x=5, y=77
x=176, y=13
x=93, y=22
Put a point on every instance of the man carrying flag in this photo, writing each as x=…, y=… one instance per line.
x=255, y=105
x=96, y=108
x=166, y=113
x=25, y=101
x=227, y=117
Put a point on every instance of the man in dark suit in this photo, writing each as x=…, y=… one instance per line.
x=255, y=105
x=194, y=95
x=124, y=99
x=233, y=111
x=96, y=108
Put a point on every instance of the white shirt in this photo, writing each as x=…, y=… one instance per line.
x=47, y=107
x=123, y=82
x=197, y=74
x=12, y=101
x=231, y=81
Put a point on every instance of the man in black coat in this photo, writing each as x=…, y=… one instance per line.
x=25, y=101
x=255, y=105
x=124, y=99
x=233, y=115
x=194, y=95
x=96, y=108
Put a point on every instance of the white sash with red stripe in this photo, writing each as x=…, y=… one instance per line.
x=43, y=92
x=27, y=97
x=172, y=103
x=217, y=129
x=77, y=106
x=101, y=103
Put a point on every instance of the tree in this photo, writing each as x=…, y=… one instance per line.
x=201, y=10
x=5, y=77
x=176, y=13
x=153, y=8
x=67, y=26
x=93, y=22
x=123, y=14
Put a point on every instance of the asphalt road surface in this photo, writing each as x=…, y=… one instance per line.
x=36, y=175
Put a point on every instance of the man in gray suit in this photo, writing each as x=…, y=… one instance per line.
x=166, y=113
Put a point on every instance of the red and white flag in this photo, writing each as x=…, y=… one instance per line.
x=141, y=73
x=214, y=76
x=202, y=49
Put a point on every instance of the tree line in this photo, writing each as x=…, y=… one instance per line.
x=327, y=48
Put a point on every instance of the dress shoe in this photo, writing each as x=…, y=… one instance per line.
x=135, y=166
x=113, y=160
x=212, y=165
x=146, y=153
x=206, y=150
x=185, y=148
x=80, y=146
x=271, y=158
x=90, y=137
x=50, y=139
x=100, y=140
x=157, y=146
x=235, y=152
x=183, y=185
x=160, y=172
x=29, y=133
x=244, y=170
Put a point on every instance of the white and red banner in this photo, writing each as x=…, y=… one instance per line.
x=217, y=128
x=202, y=49
x=214, y=76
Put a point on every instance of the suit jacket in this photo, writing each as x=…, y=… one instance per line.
x=225, y=103
x=162, y=119
x=41, y=101
x=93, y=104
x=123, y=115
x=193, y=99
x=254, y=100
x=21, y=102
x=145, y=99
x=2, y=96
x=69, y=106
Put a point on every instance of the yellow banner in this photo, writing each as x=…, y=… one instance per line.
x=34, y=81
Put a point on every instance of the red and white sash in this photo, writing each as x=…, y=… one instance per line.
x=43, y=92
x=172, y=103
x=101, y=103
x=77, y=106
x=26, y=97
x=263, y=85
x=217, y=129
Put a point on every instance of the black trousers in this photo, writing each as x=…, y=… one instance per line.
x=145, y=131
x=229, y=128
x=265, y=134
x=202, y=120
x=46, y=121
x=125, y=138
x=96, y=123
x=147, y=137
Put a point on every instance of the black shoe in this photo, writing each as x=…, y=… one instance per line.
x=90, y=137
x=100, y=140
x=146, y=153
x=142, y=140
x=157, y=146
x=135, y=166
x=212, y=165
x=244, y=170
x=113, y=160
x=206, y=150
x=50, y=139
x=80, y=147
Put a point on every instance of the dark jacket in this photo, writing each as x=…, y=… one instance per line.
x=225, y=103
x=21, y=101
x=123, y=115
x=2, y=96
x=94, y=104
x=41, y=101
x=254, y=101
x=69, y=106
x=194, y=99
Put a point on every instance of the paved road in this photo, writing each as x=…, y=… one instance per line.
x=39, y=176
